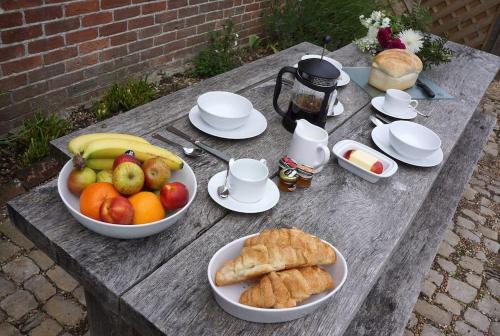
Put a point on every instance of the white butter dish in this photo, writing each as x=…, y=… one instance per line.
x=341, y=147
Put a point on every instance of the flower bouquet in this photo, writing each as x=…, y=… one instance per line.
x=403, y=32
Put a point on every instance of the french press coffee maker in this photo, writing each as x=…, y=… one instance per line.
x=314, y=81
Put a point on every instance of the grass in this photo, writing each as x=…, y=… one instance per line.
x=33, y=138
x=123, y=97
x=291, y=22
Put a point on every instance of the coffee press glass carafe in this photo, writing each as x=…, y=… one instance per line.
x=314, y=81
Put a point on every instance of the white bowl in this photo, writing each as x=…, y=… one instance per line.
x=224, y=110
x=228, y=296
x=72, y=202
x=413, y=140
x=341, y=147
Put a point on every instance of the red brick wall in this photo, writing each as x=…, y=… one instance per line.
x=59, y=53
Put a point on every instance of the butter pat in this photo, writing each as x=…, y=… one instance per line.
x=364, y=160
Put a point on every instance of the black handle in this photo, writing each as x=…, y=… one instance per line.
x=277, y=88
x=428, y=91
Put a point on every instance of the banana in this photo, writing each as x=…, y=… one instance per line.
x=100, y=164
x=111, y=148
x=77, y=145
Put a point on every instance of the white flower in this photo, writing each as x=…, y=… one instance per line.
x=366, y=44
x=386, y=22
x=372, y=33
x=376, y=15
x=412, y=40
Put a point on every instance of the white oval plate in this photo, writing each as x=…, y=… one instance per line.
x=270, y=199
x=228, y=296
x=255, y=125
x=378, y=103
x=339, y=149
x=380, y=136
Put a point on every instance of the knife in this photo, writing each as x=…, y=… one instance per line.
x=215, y=152
x=427, y=90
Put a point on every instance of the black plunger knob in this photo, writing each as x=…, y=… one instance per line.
x=326, y=39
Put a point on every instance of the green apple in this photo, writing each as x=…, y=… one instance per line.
x=105, y=176
x=128, y=178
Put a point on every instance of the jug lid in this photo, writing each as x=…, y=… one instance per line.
x=318, y=71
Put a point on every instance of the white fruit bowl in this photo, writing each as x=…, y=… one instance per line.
x=228, y=296
x=72, y=202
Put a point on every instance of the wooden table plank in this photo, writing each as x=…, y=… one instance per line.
x=340, y=208
x=99, y=262
x=164, y=110
x=390, y=302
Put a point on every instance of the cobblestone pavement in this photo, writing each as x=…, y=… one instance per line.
x=460, y=295
x=461, y=292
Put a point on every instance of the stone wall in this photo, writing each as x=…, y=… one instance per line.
x=59, y=53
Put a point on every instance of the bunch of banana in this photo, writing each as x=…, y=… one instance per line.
x=98, y=150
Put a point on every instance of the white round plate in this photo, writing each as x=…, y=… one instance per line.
x=380, y=136
x=335, y=63
x=338, y=109
x=228, y=296
x=270, y=199
x=344, y=79
x=255, y=125
x=378, y=103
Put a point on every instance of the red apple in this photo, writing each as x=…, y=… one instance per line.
x=128, y=156
x=347, y=154
x=79, y=179
x=117, y=210
x=174, y=195
x=128, y=178
x=156, y=172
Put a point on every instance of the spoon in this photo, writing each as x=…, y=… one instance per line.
x=189, y=152
x=422, y=114
x=223, y=190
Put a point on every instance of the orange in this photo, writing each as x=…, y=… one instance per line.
x=147, y=207
x=93, y=196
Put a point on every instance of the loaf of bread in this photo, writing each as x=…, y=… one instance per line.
x=286, y=289
x=275, y=250
x=394, y=69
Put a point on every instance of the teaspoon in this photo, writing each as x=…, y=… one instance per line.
x=189, y=152
x=223, y=190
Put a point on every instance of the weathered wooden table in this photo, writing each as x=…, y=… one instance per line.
x=388, y=232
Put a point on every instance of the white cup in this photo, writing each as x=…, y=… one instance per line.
x=397, y=102
x=247, y=180
x=309, y=145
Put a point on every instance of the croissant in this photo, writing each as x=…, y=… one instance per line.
x=275, y=250
x=286, y=289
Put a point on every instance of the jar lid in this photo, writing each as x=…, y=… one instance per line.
x=288, y=175
x=305, y=171
x=287, y=163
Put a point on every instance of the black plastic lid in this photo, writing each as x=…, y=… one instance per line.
x=318, y=68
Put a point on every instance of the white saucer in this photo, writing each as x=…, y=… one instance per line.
x=255, y=125
x=380, y=136
x=270, y=199
x=338, y=109
x=344, y=77
x=378, y=103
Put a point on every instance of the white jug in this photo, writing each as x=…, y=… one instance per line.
x=309, y=145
